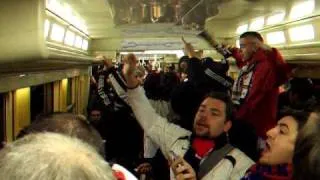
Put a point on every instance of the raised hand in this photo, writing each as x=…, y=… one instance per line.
x=189, y=48
x=129, y=68
x=130, y=65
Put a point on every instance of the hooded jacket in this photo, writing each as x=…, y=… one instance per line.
x=256, y=89
x=172, y=138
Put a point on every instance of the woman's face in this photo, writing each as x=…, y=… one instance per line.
x=280, y=142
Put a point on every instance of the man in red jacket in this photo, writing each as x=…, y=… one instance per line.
x=256, y=89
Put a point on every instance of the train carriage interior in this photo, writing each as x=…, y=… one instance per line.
x=50, y=49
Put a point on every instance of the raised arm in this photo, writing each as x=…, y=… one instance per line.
x=117, y=81
x=161, y=132
x=195, y=69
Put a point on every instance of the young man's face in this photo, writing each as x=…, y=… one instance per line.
x=210, y=120
x=280, y=143
x=248, y=46
x=183, y=66
x=95, y=116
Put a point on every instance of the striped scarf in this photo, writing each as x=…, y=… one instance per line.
x=266, y=172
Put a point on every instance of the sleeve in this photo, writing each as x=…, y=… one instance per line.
x=263, y=78
x=226, y=170
x=118, y=83
x=160, y=131
x=101, y=92
x=282, y=68
x=237, y=56
x=161, y=107
x=195, y=71
x=150, y=148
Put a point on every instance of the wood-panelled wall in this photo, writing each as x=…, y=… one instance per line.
x=21, y=109
x=80, y=94
x=60, y=95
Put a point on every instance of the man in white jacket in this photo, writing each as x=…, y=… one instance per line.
x=207, y=148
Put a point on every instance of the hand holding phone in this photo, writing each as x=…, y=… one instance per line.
x=182, y=169
x=173, y=156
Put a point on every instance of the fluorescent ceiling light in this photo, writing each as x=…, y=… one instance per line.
x=78, y=43
x=126, y=53
x=46, y=28
x=179, y=53
x=243, y=28
x=302, y=9
x=69, y=39
x=57, y=33
x=85, y=44
x=276, y=37
x=161, y=51
x=302, y=33
x=276, y=18
x=257, y=24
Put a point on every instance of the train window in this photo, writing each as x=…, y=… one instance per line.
x=37, y=101
x=257, y=24
x=243, y=28
x=69, y=39
x=57, y=33
x=85, y=44
x=65, y=12
x=302, y=9
x=78, y=42
x=302, y=33
x=2, y=120
x=46, y=28
x=276, y=37
x=276, y=18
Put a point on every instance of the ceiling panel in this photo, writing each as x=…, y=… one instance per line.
x=98, y=15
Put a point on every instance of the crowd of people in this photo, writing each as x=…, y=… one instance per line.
x=193, y=123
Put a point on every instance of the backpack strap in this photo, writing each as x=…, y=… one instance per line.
x=213, y=159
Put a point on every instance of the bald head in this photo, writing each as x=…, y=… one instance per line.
x=69, y=124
